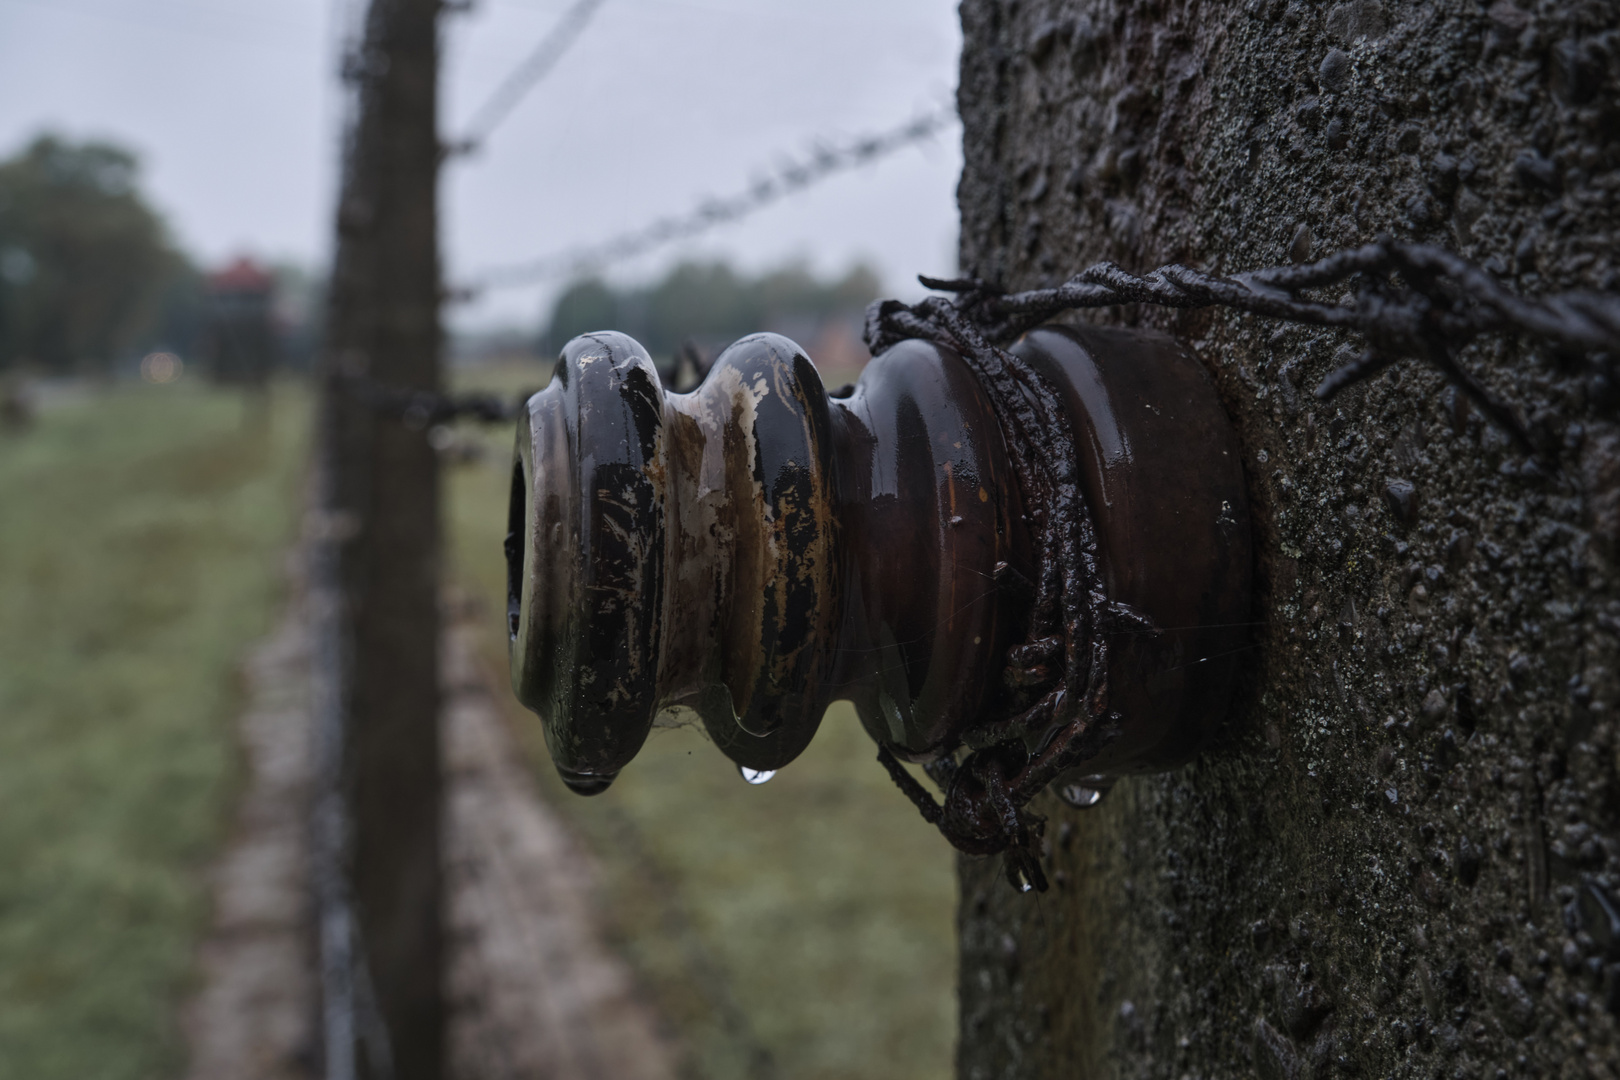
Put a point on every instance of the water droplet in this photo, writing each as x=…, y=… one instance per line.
x=1079, y=796
x=755, y=776
x=581, y=783
x=1086, y=792
x=1024, y=886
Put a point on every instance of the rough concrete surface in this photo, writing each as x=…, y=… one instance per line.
x=1403, y=859
x=534, y=991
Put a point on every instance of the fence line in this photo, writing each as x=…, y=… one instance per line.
x=786, y=179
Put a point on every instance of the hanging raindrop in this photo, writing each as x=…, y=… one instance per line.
x=1088, y=793
x=755, y=776
x=1080, y=797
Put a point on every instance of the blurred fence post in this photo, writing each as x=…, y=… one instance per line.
x=375, y=573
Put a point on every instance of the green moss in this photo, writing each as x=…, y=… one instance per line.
x=800, y=929
x=139, y=540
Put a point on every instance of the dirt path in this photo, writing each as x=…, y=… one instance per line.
x=253, y=1016
x=534, y=991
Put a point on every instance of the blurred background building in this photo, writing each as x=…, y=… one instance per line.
x=238, y=343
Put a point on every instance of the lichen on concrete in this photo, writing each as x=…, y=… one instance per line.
x=1397, y=861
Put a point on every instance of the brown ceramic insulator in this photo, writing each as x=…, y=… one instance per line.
x=1162, y=473
x=754, y=550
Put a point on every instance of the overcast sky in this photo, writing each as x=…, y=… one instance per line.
x=232, y=106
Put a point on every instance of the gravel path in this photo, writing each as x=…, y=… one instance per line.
x=252, y=1017
x=534, y=992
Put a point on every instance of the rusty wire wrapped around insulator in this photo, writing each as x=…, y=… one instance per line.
x=1411, y=301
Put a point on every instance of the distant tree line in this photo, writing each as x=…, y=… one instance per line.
x=88, y=271
x=90, y=276
x=709, y=303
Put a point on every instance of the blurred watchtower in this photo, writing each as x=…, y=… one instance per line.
x=239, y=345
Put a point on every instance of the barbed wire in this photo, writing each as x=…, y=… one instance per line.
x=420, y=409
x=540, y=63
x=1408, y=301
x=788, y=178
x=1412, y=301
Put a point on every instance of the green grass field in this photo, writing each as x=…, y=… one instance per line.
x=141, y=531
x=800, y=929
